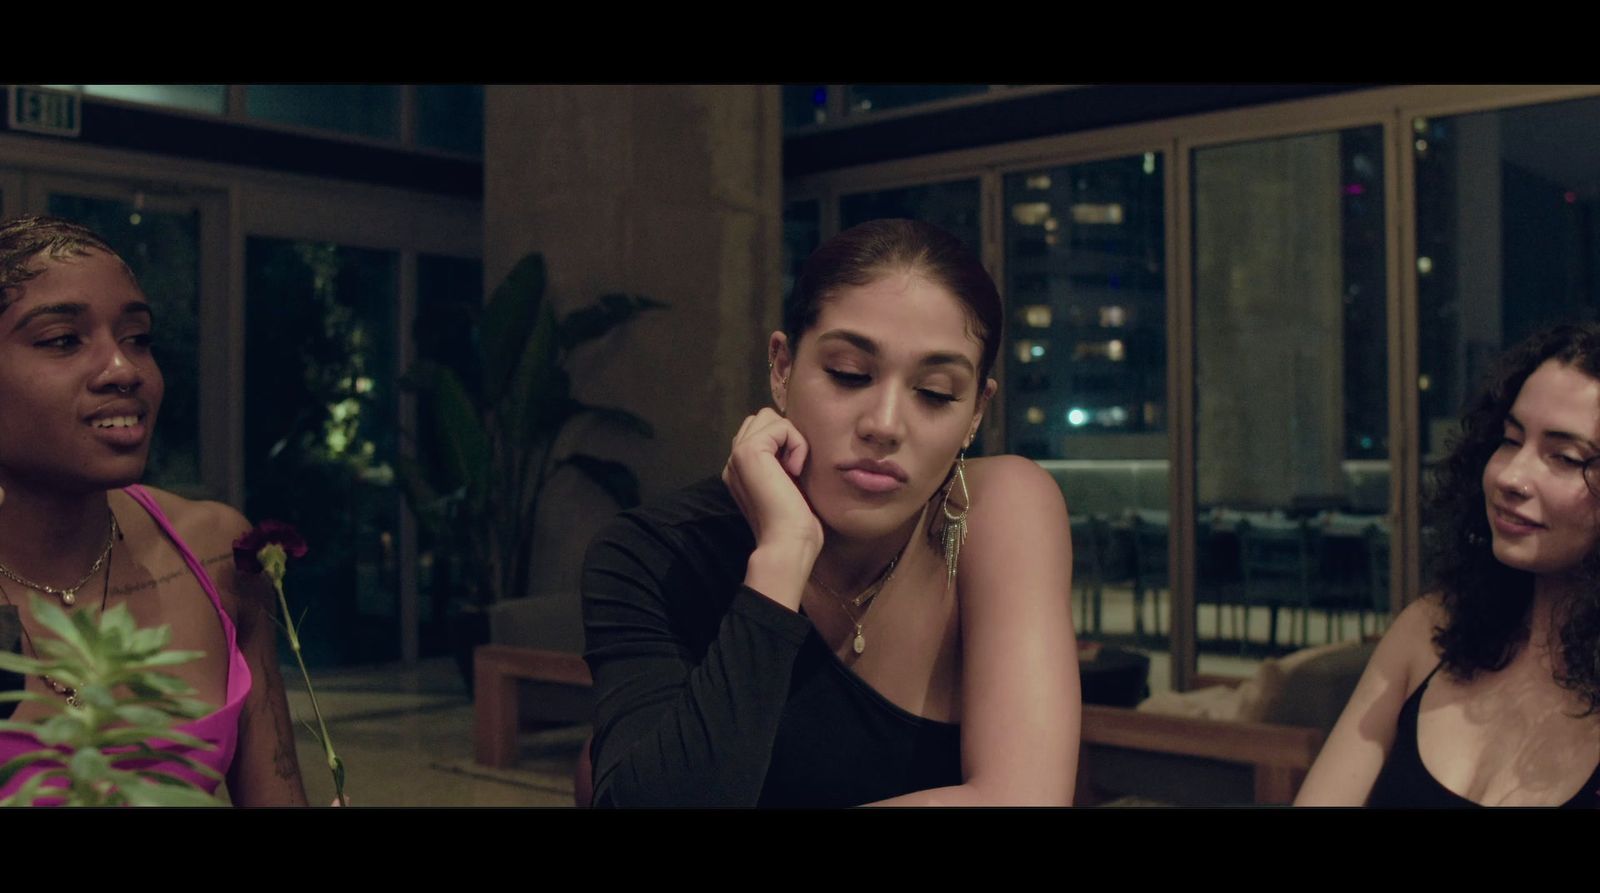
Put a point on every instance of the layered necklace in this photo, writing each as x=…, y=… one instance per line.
x=69, y=594
x=863, y=601
x=69, y=597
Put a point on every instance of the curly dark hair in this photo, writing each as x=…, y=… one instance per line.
x=1487, y=604
x=23, y=239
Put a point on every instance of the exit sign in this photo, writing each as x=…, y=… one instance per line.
x=39, y=110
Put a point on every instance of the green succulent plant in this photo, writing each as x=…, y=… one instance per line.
x=103, y=747
x=492, y=422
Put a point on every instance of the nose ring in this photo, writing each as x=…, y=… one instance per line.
x=124, y=389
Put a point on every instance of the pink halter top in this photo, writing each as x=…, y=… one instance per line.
x=219, y=729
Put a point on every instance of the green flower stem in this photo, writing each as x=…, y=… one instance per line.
x=275, y=569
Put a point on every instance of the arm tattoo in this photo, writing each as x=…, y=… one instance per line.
x=285, y=761
x=164, y=578
x=148, y=584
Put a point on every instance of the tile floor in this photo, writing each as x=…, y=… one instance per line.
x=405, y=736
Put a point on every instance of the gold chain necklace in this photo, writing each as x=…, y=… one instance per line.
x=859, y=643
x=863, y=600
x=65, y=691
x=69, y=594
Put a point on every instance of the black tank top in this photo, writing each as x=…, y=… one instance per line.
x=1405, y=783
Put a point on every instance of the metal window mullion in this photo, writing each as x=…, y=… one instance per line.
x=408, y=115
x=1405, y=452
x=406, y=413
x=1181, y=414
x=991, y=232
x=235, y=337
x=836, y=109
x=235, y=109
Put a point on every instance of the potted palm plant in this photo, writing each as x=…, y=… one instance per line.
x=491, y=420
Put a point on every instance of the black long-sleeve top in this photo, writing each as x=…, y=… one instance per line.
x=710, y=694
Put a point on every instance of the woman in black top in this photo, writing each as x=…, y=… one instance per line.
x=852, y=612
x=1487, y=691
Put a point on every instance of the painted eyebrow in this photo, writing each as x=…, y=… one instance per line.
x=1558, y=435
x=868, y=346
x=74, y=310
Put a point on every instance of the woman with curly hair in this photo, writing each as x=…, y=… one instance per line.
x=80, y=391
x=1487, y=690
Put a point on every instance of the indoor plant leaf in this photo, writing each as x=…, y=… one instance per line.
x=610, y=311
x=512, y=312
x=616, y=479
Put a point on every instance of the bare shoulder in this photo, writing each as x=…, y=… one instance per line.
x=1407, y=650
x=1016, y=510
x=1011, y=486
x=208, y=527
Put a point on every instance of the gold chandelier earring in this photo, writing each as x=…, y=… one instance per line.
x=955, y=525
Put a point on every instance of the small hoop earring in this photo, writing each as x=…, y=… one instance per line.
x=955, y=526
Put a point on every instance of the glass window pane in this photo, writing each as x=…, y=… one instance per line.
x=449, y=301
x=320, y=432
x=450, y=116
x=1291, y=428
x=210, y=98
x=361, y=109
x=802, y=233
x=804, y=104
x=1506, y=242
x=1085, y=378
x=878, y=97
x=953, y=206
x=163, y=250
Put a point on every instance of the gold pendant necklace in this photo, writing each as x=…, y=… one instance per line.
x=65, y=691
x=858, y=644
x=68, y=594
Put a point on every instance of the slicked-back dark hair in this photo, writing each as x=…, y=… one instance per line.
x=1487, y=603
x=864, y=253
x=24, y=239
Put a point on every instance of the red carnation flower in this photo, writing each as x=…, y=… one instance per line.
x=247, y=547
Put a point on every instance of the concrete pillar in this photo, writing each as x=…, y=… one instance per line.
x=670, y=191
x=1269, y=321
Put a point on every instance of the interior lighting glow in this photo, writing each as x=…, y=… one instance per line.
x=1422, y=146
x=1571, y=197
x=1424, y=382
x=135, y=218
x=1037, y=351
x=1424, y=265
x=1039, y=181
x=1035, y=415
x=1030, y=213
x=1113, y=316
x=1097, y=213
x=1037, y=316
x=1149, y=162
x=1115, y=351
x=1077, y=418
x=1354, y=189
x=1420, y=125
x=1051, y=224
